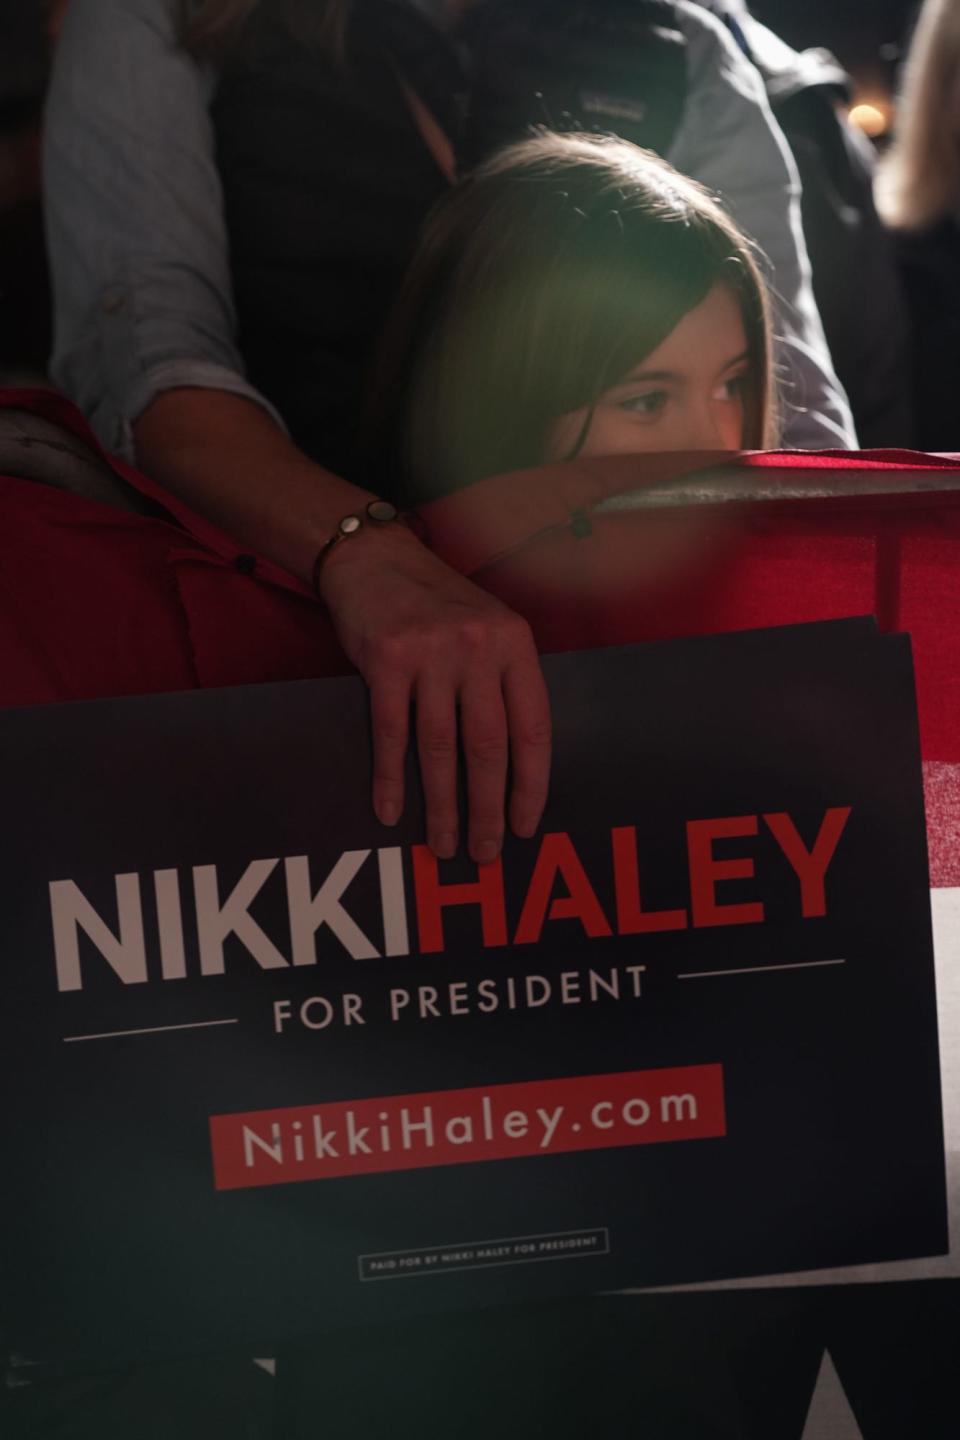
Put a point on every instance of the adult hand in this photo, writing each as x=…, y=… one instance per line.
x=417, y=631
x=423, y=636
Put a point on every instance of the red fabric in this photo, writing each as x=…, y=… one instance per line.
x=97, y=602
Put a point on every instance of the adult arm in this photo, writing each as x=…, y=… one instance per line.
x=730, y=142
x=144, y=341
x=134, y=217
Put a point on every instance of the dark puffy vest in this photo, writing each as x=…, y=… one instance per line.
x=327, y=179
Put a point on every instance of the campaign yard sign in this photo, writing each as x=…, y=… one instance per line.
x=270, y=1067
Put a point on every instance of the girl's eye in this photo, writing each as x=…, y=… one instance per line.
x=733, y=389
x=651, y=403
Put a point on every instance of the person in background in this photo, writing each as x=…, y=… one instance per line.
x=854, y=270
x=221, y=277
x=918, y=195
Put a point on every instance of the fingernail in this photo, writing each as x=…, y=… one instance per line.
x=486, y=851
x=389, y=812
x=445, y=845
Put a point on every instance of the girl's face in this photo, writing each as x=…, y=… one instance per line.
x=688, y=394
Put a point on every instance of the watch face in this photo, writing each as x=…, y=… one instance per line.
x=350, y=524
x=382, y=510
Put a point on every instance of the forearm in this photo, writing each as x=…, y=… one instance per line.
x=417, y=631
x=224, y=456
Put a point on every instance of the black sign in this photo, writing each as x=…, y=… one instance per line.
x=270, y=1067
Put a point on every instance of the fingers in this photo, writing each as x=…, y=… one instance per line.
x=483, y=724
x=437, y=749
x=390, y=714
x=448, y=645
x=528, y=718
x=504, y=715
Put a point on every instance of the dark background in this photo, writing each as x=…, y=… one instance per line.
x=853, y=29
x=866, y=35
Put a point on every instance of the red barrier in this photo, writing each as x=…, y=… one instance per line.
x=95, y=601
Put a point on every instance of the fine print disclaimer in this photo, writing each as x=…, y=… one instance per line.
x=482, y=1254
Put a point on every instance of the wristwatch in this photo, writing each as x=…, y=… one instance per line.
x=377, y=512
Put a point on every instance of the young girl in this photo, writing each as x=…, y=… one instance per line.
x=575, y=296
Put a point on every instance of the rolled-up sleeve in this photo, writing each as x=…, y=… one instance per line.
x=134, y=214
x=730, y=142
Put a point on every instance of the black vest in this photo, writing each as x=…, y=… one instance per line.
x=327, y=179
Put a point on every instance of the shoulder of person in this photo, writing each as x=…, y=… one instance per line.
x=101, y=38
x=698, y=22
x=160, y=16
x=714, y=59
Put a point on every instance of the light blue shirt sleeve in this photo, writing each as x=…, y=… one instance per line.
x=730, y=142
x=134, y=214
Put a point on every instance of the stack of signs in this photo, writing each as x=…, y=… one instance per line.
x=269, y=1067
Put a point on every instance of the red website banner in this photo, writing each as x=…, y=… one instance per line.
x=456, y=1127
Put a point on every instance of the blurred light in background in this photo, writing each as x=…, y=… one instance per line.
x=872, y=117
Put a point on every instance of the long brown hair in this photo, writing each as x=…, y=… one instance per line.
x=540, y=281
x=208, y=28
x=918, y=181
